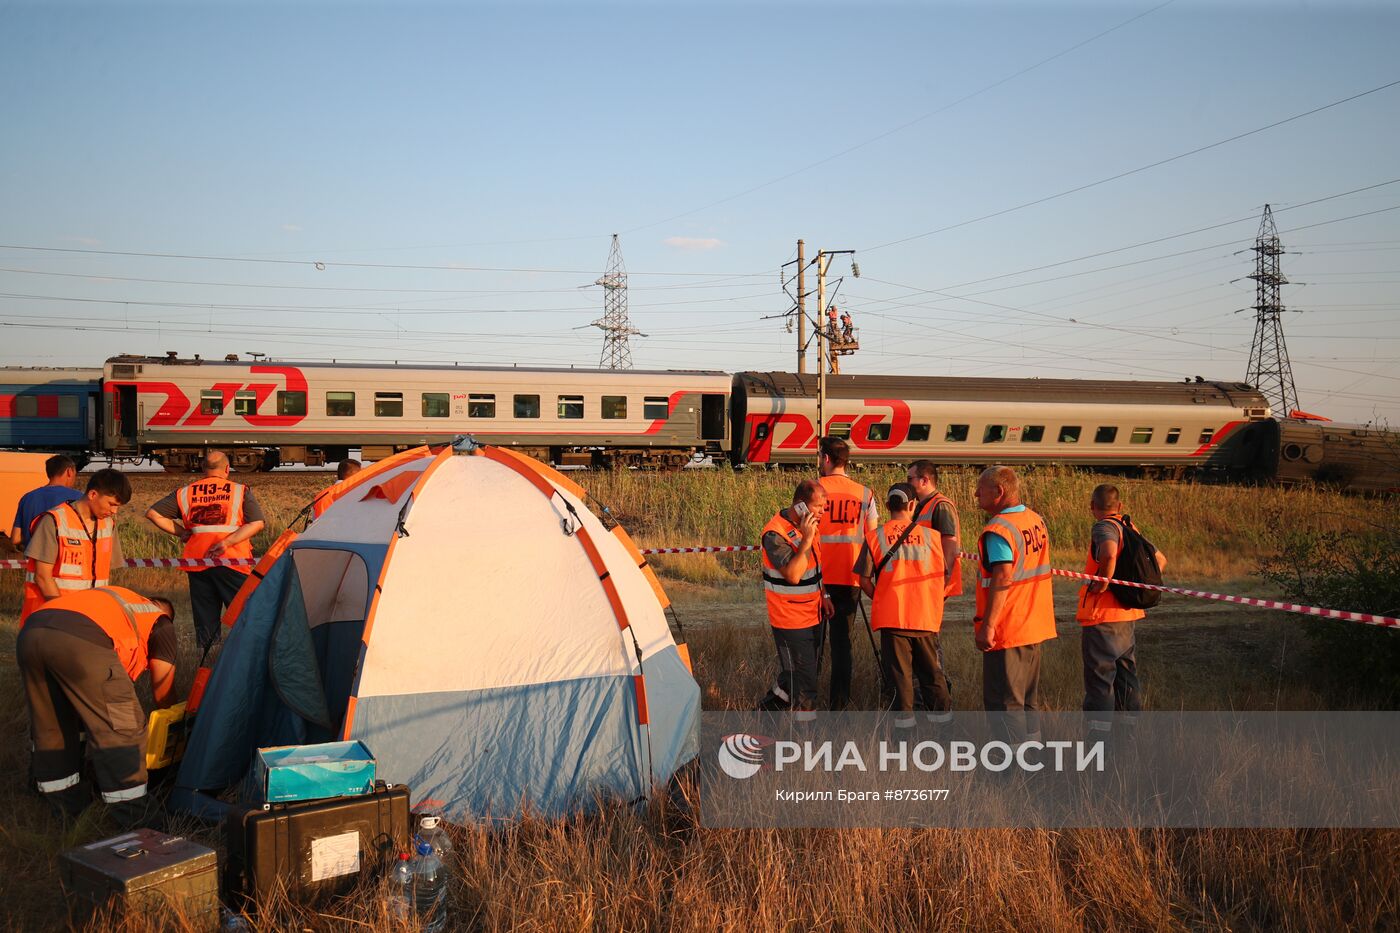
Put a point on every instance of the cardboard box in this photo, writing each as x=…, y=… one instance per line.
x=165, y=880
x=311, y=772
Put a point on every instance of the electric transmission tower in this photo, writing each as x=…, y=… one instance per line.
x=1269, y=369
x=614, y=324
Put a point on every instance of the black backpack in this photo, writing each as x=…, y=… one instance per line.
x=1137, y=563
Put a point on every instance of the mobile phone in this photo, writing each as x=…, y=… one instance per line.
x=800, y=509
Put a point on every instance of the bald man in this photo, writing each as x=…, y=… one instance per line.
x=215, y=518
x=1015, y=609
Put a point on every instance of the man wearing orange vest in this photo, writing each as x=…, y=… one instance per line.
x=74, y=546
x=850, y=513
x=217, y=519
x=901, y=570
x=792, y=591
x=343, y=471
x=79, y=656
x=1108, y=643
x=1015, y=607
x=937, y=512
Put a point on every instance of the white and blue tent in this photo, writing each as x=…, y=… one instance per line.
x=466, y=616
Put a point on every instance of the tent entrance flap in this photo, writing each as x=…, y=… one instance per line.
x=316, y=644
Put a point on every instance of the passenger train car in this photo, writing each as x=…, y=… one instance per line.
x=266, y=414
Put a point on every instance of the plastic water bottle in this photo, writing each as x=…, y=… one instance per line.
x=429, y=889
x=431, y=831
x=401, y=887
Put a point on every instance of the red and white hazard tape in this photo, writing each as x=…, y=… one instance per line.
x=166, y=562
x=733, y=548
x=1363, y=617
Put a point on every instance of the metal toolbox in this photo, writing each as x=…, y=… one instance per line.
x=314, y=848
x=147, y=873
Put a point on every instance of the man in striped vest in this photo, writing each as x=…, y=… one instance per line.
x=1015, y=607
x=74, y=546
x=850, y=513
x=79, y=656
x=1108, y=643
x=937, y=512
x=901, y=570
x=217, y=518
x=792, y=592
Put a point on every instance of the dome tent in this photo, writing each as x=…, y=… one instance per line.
x=466, y=616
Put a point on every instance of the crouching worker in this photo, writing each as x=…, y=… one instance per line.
x=79, y=657
x=901, y=569
x=792, y=589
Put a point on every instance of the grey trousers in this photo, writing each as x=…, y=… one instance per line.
x=72, y=684
x=1011, y=690
x=1110, y=669
x=908, y=658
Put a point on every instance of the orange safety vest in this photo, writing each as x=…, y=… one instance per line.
x=843, y=527
x=954, y=587
x=1028, y=616
x=1096, y=608
x=791, y=605
x=212, y=509
x=127, y=618
x=909, y=590
x=84, y=559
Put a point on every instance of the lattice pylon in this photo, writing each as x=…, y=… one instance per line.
x=614, y=324
x=1269, y=368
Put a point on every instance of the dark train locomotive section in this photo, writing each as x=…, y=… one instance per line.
x=267, y=414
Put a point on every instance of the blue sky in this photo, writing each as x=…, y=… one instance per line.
x=457, y=170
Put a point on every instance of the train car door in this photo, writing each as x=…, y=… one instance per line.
x=128, y=422
x=712, y=417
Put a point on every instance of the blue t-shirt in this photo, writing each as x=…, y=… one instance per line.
x=995, y=546
x=38, y=501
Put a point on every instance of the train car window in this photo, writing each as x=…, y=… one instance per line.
x=842, y=430
x=245, y=402
x=291, y=403
x=1069, y=433
x=1105, y=435
x=1206, y=436
x=527, y=406
x=67, y=406
x=340, y=404
x=481, y=406
x=614, y=407
x=1141, y=436
x=26, y=406
x=994, y=434
x=956, y=433
x=918, y=433
x=388, y=404
x=1032, y=434
x=570, y=406
x=656, y=406
x=879, y=432
x=435, y=404
x=1173, y=435
x=211, y=402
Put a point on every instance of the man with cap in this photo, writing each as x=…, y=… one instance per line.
x=901, y=570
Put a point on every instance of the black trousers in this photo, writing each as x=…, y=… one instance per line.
x=72, y=684
x=796, y=687
x=844, y=600
x=210, y=593
x=909, y=657
x=1110, y=669
x=1011, y=690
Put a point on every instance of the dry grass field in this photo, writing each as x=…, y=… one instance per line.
x=654, y=868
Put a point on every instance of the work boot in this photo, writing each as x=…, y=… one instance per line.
x=142, y=813
x=68, y=804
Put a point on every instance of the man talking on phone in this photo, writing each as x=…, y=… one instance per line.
x=792, y=590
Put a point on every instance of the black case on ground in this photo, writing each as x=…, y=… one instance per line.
x=315, y=848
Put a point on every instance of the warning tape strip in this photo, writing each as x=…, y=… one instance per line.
x=1363, y=617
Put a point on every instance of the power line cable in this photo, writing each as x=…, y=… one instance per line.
x=1135, y=171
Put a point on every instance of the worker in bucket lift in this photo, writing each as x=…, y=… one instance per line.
x=79, y=656
x=847, y=330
